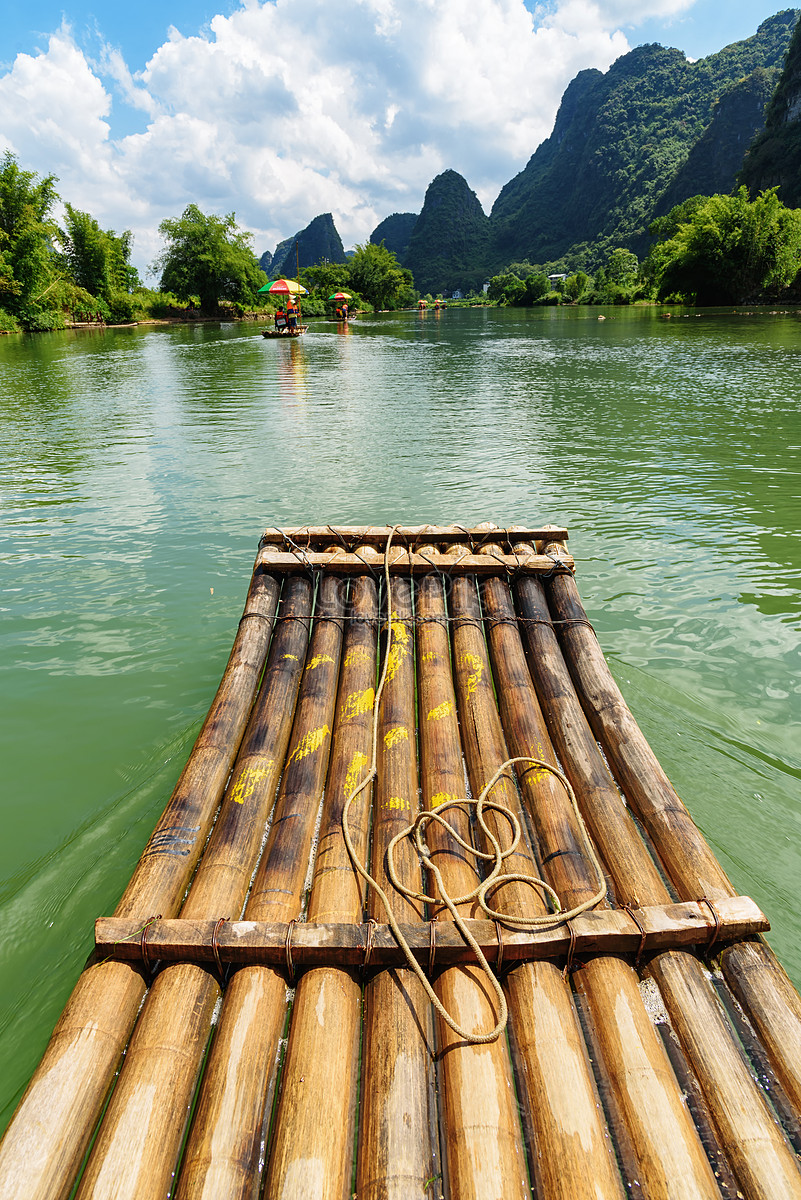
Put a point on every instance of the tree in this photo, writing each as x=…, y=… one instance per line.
x=208, y=257
x=98, y=260
x=326, y=278
x=622, y=267
x=731, y=250
x=376, y=274
x=27, y=262
x=537, y=286
x=576, y=285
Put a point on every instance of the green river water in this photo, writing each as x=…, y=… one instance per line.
x=140, y=466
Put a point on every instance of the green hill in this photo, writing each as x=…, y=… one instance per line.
x=622, y=144
x=318, y=242
x=774, y=159
x=448, y=247
x=394, y=231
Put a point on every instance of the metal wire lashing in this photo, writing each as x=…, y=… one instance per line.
x=290, y=968
x=215, y=945
x=716, y=931
x=143, y=944
x=368, y=944
x=627, y=908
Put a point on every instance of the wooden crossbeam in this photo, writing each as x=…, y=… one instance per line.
x=604, y=931
x=376, y=535
x=401, y=560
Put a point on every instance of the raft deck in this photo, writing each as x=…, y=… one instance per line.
x=277, y=1036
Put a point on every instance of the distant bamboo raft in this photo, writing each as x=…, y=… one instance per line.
x=247, y=1019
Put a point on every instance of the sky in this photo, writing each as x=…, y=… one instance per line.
x=284, y=109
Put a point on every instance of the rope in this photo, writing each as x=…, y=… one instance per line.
x=497, y=856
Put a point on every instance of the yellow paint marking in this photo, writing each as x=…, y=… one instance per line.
x=427, y=657
x=318, y=660
x=353, y=777
x=539, y=773
x=358, y=703
x=393, y=736
x=357, y=654
x=310, y=742
x=294, y=657
x=249, y=777
x=474, y=679
x=396, y=802
x=442, y=798
x=442, y=710
x=399, y=647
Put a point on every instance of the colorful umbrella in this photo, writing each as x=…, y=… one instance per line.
x=284, y=287
x=341, y=296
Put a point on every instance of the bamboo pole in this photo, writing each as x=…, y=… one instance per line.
x=396, y=1158
x=139, y=1140
x=310, y=1156
x=47, y=1138
x=750, y=968
x=745, y=1127
x=401, y=561
x=570, y=1151
x=646, y=1094
x=376, y=535
x=479, y=1124
x=223, y=1149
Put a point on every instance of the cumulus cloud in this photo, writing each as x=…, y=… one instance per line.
x=283, y=110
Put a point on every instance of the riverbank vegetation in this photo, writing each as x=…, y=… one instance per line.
x=708, y=250
x=59, y=273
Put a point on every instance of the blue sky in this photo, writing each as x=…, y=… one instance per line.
x=283, y=109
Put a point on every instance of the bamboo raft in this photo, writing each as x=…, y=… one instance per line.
x=248, y=1023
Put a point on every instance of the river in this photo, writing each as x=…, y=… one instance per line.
x=140, y=467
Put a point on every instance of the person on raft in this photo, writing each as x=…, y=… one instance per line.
x=292, y=315
x=280, y=320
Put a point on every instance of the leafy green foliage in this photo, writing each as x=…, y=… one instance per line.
x=730, y=250
x=622, y=266
x=8, y=324
x=27, y=263
x=376, y=274
x=98, y=260
x=209, y=257
x=507, y=289
x=575, y=286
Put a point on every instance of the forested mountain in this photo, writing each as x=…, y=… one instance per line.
x=395, y=231
x=448, y=246
x=775, y=157
x=318, y=242
x=622, y=144
x=716, y=158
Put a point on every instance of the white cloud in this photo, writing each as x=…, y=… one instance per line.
x=284, y=110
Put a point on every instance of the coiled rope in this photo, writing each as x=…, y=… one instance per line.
x=416, y=830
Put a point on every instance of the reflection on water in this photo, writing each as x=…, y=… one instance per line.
x=140, y=468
